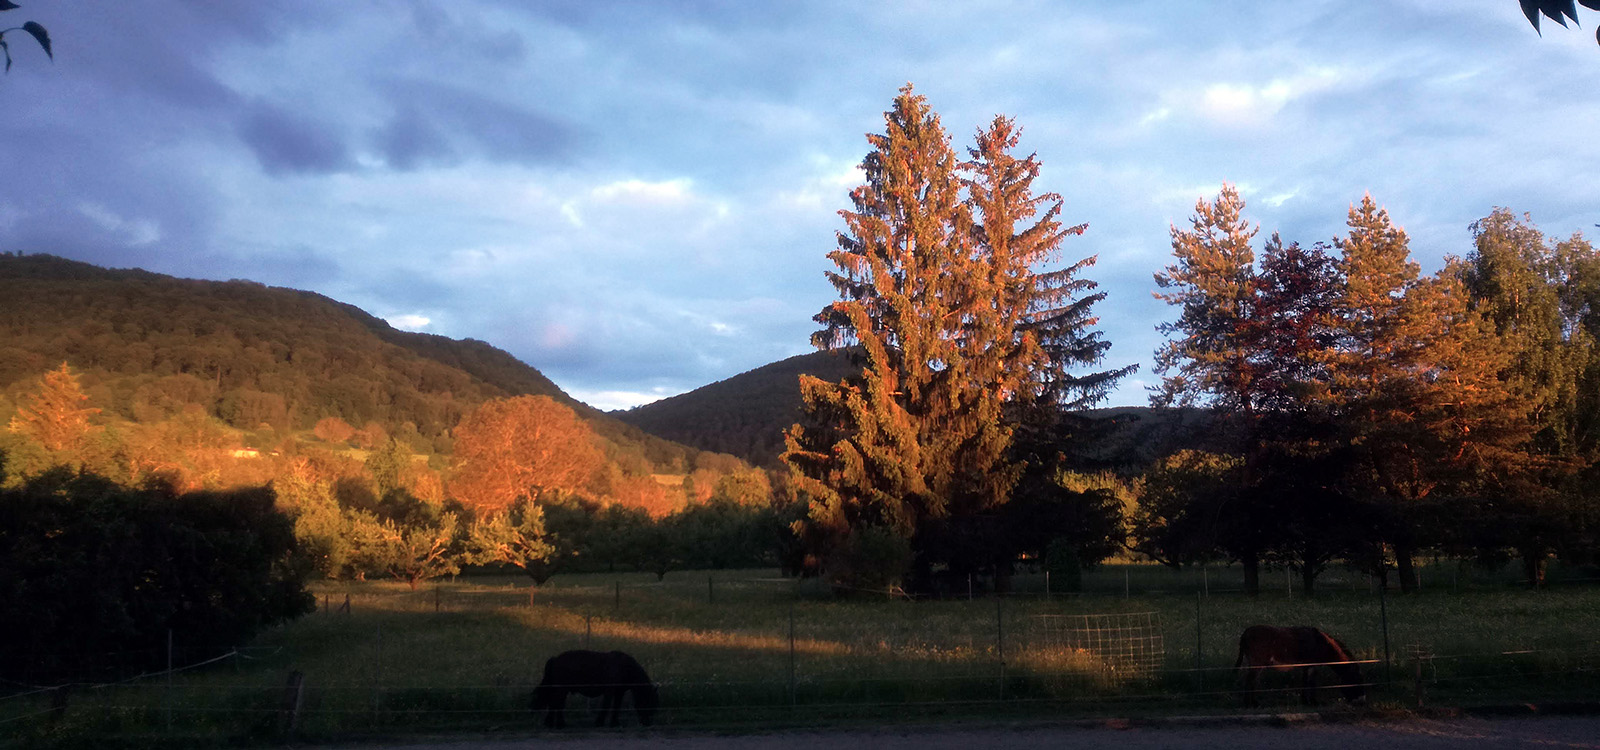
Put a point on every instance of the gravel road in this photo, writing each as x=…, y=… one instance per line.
x=1540, y=732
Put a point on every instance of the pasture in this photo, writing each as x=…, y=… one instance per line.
x=746, y=650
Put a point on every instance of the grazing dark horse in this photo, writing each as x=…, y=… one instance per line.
x=1301, y=649
x=594, y=673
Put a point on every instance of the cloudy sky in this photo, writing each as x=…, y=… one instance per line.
x=637, y=197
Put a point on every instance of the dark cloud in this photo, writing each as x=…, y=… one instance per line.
x=411, y=140
x=439, y=124
x=287, y=144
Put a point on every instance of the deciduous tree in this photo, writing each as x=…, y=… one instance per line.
x=509, y=449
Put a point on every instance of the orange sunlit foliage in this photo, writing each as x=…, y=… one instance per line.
x=56, y=416
x=422, y=482
x=518, y=447
x=333, y=430
x=646, y=493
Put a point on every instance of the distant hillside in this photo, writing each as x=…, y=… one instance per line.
x=253, y=356
x=744, y=415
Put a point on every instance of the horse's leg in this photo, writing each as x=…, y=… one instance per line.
x=1250, y=675
x=555, y=717
x=608, y=709
x=1308, y=694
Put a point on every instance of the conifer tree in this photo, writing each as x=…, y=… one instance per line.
x=1049, y=315
x=56, y=417
x=1212, y=354
x=1426, y=411
x=943, y=312
x=1213, y=284
x=1377, y=373
x=1050, y=312
x=880, y=450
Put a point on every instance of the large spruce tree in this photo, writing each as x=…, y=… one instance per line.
x=941, y=309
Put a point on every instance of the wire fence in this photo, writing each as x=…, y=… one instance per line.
x=755, y=651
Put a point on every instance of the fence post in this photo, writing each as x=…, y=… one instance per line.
x=1199, y=675
x=1205, y=579
x=1383, y=614
x=58, y=703
x=377, y=677
x=1000, y=639
x=168, y=698
x=1126, y=587
x=711, y=597
x=293, y=698
x=1047, y=584
x=792, y=689
x=1416, y=672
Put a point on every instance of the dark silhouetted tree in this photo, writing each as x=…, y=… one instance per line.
x=30, y=28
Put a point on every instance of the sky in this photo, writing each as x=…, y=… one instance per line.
x=637, y=198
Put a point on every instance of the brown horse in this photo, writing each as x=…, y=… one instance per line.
x=1300, y=649
x=595, y=673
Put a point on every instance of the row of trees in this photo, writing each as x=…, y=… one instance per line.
x=1362, y=411
x=1373, y=412
x=385, y=511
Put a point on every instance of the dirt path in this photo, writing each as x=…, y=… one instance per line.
x=1538, y=732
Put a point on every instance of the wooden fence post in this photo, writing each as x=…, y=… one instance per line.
x=293, y=699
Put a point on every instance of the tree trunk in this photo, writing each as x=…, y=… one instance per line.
x=1308, y=578
x=1405, y=568
x=1252, y=574
x=1533, y=568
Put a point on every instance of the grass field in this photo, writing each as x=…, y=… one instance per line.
x=746, y=649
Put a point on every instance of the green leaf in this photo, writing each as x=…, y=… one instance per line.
x=41, y=35
x=1530, y=8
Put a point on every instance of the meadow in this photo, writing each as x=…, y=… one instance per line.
x=746, y=650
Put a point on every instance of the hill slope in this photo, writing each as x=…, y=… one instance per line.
x=148, y=344
x=744, y=415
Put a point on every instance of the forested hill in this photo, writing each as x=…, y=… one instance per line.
x=148, y=344
x=744, y=415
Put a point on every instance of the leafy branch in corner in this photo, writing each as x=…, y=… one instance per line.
x=1558, y=11
x=33, y=29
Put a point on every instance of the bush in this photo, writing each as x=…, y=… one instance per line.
x=90, y=570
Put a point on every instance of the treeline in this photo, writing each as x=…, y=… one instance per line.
x=1359, y=411
x=384, y=510
x=1372, y=414
x=99, y=579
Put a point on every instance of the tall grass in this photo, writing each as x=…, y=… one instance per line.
x=754, y=650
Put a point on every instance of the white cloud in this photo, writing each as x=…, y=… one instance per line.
x=665, y=192
x=1253, y=104
x=409, y=321
x=613, y=400
x=136, y=232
